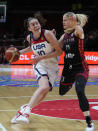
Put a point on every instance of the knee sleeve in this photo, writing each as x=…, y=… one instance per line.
x=63, y=89
x=80, y=90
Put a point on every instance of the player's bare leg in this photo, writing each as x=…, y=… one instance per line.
x=23, y=114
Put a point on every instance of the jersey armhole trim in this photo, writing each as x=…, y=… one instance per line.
x=45, y=36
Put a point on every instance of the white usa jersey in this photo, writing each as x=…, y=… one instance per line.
x=42, y=47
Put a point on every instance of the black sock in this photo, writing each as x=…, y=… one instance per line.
x=88, y=121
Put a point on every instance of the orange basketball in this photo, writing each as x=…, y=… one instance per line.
x=12, y=54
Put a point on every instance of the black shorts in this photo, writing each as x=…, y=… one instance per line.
x=70, y=72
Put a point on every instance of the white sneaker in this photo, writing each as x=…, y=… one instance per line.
x=22, y=115
x=23, y=106
x=20, y=118
x=90, y=128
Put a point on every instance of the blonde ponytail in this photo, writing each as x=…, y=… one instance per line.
x=81, y=19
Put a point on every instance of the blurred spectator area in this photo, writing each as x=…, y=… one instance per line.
x=12, y=31
x=91, y=41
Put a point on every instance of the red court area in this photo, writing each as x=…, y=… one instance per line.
x=67, y=109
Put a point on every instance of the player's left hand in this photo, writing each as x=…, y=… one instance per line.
x=35, y=59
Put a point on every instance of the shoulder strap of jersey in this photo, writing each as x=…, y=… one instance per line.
x=43, y=32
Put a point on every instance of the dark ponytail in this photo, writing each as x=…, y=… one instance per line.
x=37, y=16
x=26, y=25
x=26, y=22
x=40, y=18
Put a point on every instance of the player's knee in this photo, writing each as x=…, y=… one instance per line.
x=45, y=89
x=63, y=89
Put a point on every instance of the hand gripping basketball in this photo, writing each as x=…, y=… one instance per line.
x=12, y=54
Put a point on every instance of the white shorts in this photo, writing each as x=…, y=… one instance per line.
x=51, y=73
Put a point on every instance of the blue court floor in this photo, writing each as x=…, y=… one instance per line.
x=23, y=75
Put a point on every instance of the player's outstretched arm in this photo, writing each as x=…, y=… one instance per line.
x=54, y=43
x=28, y=49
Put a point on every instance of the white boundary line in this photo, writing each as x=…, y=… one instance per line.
x=18, y=97
x=13, y=97
x=2, y=127
x=8, y=110
x=55, y=117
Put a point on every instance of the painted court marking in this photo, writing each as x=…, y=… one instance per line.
x=66, y=109
x=2, y=127
x=62, y=109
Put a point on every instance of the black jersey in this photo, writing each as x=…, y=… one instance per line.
x=74, y=59
x=73, y=48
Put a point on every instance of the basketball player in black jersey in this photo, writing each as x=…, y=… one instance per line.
x=75, y=67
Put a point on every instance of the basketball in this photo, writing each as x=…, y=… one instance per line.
x=12, y=54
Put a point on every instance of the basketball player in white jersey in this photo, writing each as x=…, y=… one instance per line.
x=46, y=49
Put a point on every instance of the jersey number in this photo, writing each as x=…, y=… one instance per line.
x=41, y=52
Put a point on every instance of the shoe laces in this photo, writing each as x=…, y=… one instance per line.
x=23, y=114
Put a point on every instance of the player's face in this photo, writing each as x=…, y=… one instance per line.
x=34, y=25
x=68, y=22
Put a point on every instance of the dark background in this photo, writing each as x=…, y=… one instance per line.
x=52, y=10
x=12, y=32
